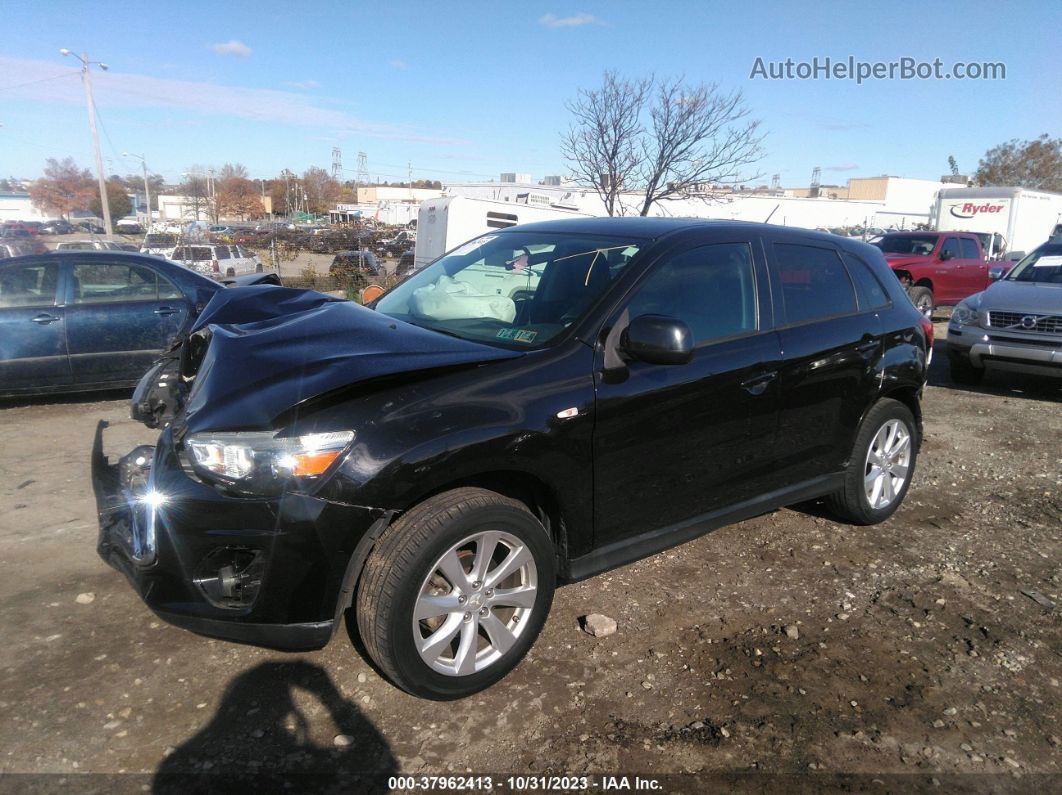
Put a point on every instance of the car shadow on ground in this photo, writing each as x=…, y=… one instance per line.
x=19, y=401
x=263, y=732
x=997, y=383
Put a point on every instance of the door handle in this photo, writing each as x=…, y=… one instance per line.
x=165, y=310
x=44, y=319
x=758, y=385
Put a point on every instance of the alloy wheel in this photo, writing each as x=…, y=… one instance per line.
x=887, y=464
x=474, y=603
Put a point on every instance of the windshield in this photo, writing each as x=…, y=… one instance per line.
x=1042, y=265
x=920, y=245
x=513, y=289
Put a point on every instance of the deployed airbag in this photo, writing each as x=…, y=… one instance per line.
x=450, y=299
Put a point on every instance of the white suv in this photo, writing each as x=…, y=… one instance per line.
x=219, y=260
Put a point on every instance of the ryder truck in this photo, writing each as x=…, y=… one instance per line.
x=1023, y=218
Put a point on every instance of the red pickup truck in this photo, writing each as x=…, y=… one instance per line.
x=938, y=268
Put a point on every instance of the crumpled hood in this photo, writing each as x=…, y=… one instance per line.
x=1038, y=298
x=274, y=347
x=895, y=260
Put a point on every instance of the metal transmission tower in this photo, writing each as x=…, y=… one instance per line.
x=776, y=182
x=337, y=164
x=816, y=178
x=363, y=169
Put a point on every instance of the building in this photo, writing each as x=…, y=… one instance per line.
x=373, y=194
x=555, y=181
x=510, y=176
x=898, y=209
x=16, y=206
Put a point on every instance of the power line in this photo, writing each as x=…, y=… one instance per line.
x=41, y=80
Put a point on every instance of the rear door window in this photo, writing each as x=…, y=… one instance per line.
x=969, y=248
x=814, y=283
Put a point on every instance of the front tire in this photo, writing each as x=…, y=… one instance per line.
x=922, y=298
x=455, y=593
x=881, y=466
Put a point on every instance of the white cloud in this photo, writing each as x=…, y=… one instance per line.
x=302, y=85
x=231, y=47
x=551, y=21
x=399, y=64
x=843, y=167
x=126, y=90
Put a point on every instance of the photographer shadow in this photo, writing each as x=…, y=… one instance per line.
x=261, y=736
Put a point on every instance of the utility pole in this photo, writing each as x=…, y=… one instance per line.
x=86, y=78
x=212, y=198
x=147, y=187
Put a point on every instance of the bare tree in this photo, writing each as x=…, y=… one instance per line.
x=196, y=190
x=661, y=138
x=601, y=144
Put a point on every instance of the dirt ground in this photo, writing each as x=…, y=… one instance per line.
x=786, y=651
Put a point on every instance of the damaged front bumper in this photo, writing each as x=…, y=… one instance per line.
x=268, y=571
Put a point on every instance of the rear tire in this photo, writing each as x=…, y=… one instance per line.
x=885, y=449
x=922, y=298
x=484, y=623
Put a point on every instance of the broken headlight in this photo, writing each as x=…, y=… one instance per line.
x=262, y=462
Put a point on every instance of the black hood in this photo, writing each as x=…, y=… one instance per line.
x=273, y=348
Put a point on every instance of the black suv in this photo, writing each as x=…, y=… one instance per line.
x=439, y=461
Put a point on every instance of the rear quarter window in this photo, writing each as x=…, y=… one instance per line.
x=869, y=291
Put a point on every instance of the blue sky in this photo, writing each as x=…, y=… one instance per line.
x=465, y=90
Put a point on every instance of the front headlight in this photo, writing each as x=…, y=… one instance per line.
x=262, y=462
x=965, y=315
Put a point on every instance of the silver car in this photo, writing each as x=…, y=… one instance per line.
x=1015, y=325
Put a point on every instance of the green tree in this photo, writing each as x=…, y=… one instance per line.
x=117, y=200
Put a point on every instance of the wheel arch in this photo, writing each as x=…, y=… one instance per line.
x=526, y=488
x=909, y=396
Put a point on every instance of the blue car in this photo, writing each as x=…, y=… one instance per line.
x=83, y=320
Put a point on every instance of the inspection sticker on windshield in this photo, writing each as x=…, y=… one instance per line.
x=517, y=335
x=1052, y=261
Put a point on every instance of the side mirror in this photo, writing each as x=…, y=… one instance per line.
x=996, y=273
x=658, y=339
x=945, y=255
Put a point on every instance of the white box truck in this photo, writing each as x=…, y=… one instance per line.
x=447, y=222
x=1023, y=218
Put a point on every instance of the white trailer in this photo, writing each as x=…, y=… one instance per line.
x=445, y=223
x=1024, y=218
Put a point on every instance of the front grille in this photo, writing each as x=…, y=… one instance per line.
x=1015, y=321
